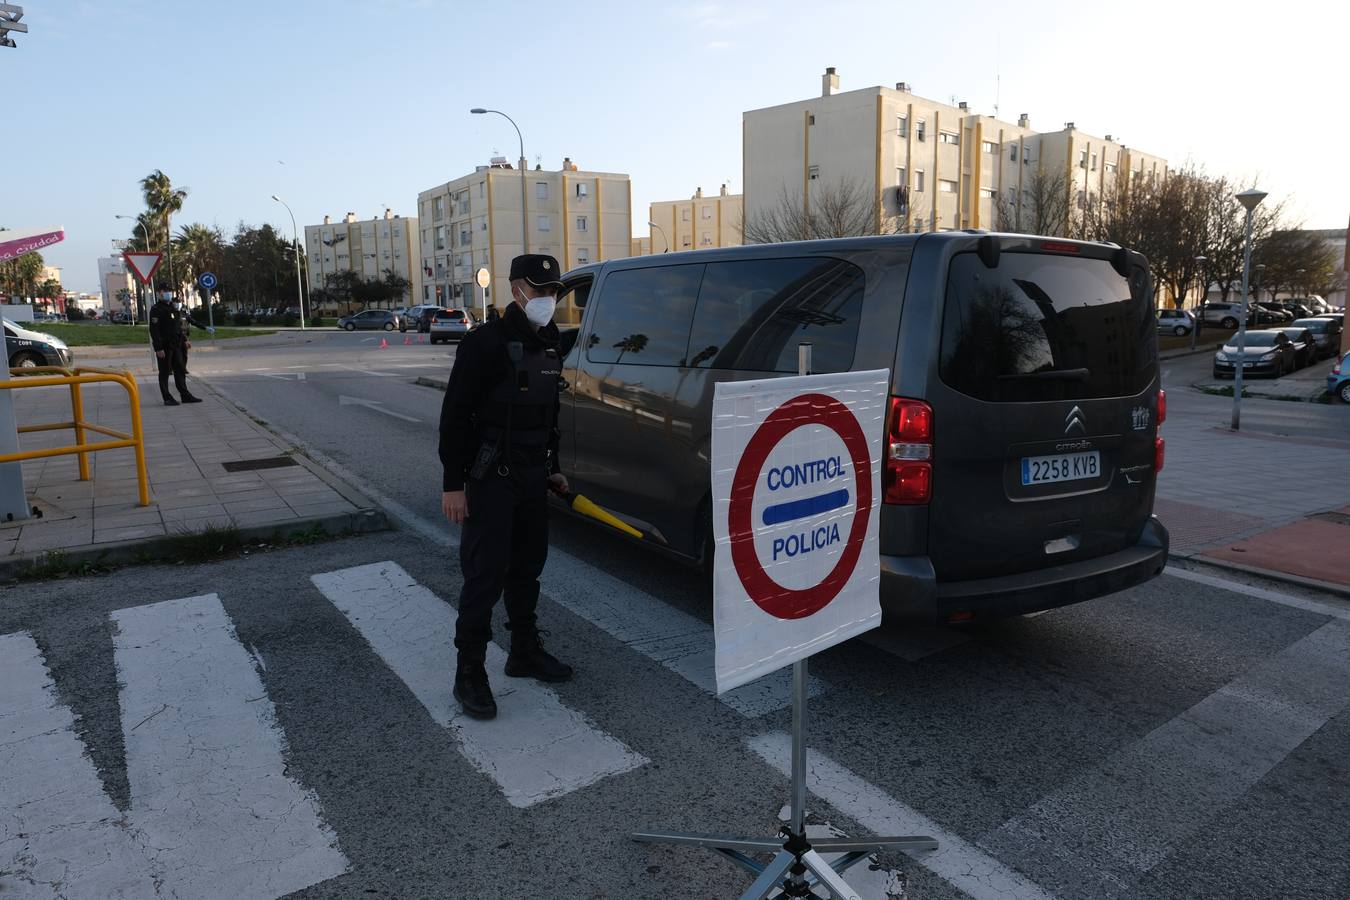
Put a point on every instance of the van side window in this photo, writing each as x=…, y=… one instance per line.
x=643, y=316
x=752, y=315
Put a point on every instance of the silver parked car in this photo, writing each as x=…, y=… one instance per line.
x=1175, y=321
x=1325, y=331
x=451, y=324
x=385, y=319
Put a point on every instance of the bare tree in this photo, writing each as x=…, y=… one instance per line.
x=1043, y=207
x=1227, y=234
x=1295, y=261
x=842, y=209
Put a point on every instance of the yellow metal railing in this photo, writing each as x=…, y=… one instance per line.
x=55, y=376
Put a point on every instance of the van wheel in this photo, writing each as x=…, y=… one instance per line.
x=26, y=361
x=1229, y=322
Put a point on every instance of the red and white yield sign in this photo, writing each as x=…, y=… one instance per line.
x=796, y=487
x=143, y=265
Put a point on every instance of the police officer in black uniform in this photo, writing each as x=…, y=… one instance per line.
x=499, y=447
x=169, y=338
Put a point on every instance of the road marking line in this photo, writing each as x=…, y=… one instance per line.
x=1237, y=587
x=955, y=861
x=680, y=642
x=535, y=749
x=1102, y=831
x=60, y=835
x=206, y=759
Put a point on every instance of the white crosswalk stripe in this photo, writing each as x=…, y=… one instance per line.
x=206, y=760
x=60, y=835
x=537, y=748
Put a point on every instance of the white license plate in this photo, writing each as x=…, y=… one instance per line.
x=1060, y=467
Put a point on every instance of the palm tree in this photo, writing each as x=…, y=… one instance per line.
x=201, y=247
x=163, y=200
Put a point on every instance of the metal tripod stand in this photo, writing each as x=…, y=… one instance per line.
x=797, y=866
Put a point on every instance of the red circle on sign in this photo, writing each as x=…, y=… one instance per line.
x=770, y=596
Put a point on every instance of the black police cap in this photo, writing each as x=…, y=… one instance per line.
x=539, y=269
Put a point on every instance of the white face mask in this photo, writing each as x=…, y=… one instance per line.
x=539, y=310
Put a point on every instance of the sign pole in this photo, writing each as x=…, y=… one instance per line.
x=797, y=865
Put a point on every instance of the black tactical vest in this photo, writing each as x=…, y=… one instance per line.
x=519, y=410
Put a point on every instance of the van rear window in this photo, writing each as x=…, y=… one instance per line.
x=1046, y=327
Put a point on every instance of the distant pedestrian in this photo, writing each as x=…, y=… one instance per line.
x=168, y=336
x=499, y=448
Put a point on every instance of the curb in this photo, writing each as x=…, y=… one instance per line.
x=162, y=549
x=1181, y=354
x=1328, y=587
x=1214, y=389
x=437, y=383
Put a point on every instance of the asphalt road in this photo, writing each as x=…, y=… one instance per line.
x=1185, y=739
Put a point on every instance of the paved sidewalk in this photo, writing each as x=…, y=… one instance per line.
x=1276, y=504
x=1308, y=384
x=209, y=464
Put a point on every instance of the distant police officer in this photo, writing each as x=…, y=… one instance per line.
x=499, y=447
x=169, y=338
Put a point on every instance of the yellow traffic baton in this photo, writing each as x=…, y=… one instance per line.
x=580, y=505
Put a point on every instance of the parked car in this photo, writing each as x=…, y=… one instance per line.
x=1296, y=308
x=1175, y=321
x=451, y=324
x=1338, y=379
x=1305, y=346
x=969, y=528
x=26, y=349
x=1325, y=331
x=1225, y=315
x=1266, y=352
x=1271, y=315
x=416, y=316
x=373, y=318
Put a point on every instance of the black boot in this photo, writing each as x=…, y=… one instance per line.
x=529, y=659
x=188, y=398
x=169, y=401
x=472, y=689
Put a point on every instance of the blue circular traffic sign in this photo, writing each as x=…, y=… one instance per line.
x=207, y=280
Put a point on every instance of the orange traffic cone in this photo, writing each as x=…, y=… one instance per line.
x=384, y=344
x=407, y=341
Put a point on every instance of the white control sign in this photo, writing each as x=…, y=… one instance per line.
x=796, y=486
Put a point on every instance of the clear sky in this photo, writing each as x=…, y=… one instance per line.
x=341, y=106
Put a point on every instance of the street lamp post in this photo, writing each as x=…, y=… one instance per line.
x=524, y=231
x=145, y=231
x=663, y=236
x=299, y=289
x=1204, y=295
x=1260, y=269
x=1249, y=200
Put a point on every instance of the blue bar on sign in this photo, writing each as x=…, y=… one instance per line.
x=800, y=509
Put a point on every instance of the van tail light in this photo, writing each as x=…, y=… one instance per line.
x=1162, y=407
x=1159, y=453
x=908, y=475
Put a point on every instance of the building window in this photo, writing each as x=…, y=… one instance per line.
x=426, y=293
x=541, y=190
x=707, y=212
x=918, y=179
x=1111, y=168
x=1013, y=153
x=987, y=193
x=581, y=223
x=581, y=190
x=948, y=137
x=583, y=256
x=464, y=237
x=988, y=147
x=902, y=126
x=921, y=130
x=440, y=237
x=811, y=119
x=900, y=176
x=1082, y=159
x=813, y=173
x=705, y=240
x=946, y=187
x=482, y=189
x=440, y=209
x=684, y=214
x=1094, y=162
x=684, y=242
x=545, y=223
x=1082, y=200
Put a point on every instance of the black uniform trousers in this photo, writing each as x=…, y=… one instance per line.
x=174, y=361
x=502, y=549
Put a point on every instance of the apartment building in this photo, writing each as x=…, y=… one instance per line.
x=480, y=220
x=932, y=166
x=369, y=247
x=116, y=285
x=698, y=222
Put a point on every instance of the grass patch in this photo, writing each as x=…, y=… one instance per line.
x=91, y=334
x=213, y=542
x=57, y=564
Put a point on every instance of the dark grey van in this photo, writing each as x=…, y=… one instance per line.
x=1028, y=366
